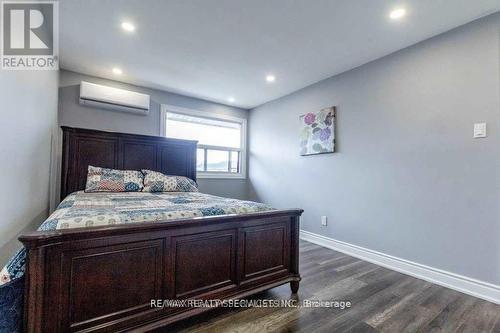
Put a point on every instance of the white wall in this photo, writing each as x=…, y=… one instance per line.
x=29, y=115
x=408, y=179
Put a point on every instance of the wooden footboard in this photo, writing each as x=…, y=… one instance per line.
x=104, y=278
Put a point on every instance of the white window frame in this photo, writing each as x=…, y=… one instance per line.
x=210, y=115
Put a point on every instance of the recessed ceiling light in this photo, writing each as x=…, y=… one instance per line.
x=127, y=26
x=117, y=71
x=397, y=13
x=231, y=100
x=270, y=78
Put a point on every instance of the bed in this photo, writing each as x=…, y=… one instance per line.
x=99, y=274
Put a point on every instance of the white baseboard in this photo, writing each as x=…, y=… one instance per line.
x=477, y=288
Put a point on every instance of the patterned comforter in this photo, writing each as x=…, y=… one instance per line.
x=80, y=210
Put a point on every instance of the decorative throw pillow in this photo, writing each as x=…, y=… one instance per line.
x=111, y=180
x=158, y=182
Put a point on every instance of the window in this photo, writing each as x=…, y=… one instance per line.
x=221, y=140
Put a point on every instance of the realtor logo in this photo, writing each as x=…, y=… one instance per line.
x=29, y=35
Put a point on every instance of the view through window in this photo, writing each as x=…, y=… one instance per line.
x=219, y=141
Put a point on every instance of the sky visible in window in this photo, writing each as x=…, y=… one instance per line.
x=206, y=131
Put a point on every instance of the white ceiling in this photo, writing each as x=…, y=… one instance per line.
x=215, y=49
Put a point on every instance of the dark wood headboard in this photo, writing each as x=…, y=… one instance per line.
x=84, y=147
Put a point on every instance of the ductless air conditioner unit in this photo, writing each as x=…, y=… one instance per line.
x=104, y=97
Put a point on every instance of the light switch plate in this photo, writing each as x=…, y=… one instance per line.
x=479, y=130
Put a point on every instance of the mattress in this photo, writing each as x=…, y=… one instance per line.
x=83, y=210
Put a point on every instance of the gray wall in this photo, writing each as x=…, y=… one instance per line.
x=408, y=178
x=73, y=114
x=29, y=115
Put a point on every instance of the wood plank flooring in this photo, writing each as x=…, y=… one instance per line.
x=382, y=301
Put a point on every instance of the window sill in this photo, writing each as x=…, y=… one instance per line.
x=210, y=175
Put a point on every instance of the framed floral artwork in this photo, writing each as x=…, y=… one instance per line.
x=317, y=134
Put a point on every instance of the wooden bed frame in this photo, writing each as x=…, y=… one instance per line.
x=102, y=279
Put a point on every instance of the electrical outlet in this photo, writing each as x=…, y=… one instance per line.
x=324, y=221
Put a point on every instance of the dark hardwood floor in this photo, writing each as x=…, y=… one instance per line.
x=382, y=301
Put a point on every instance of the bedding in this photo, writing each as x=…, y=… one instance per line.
x=158, y=182
x=111, y=180
x=81, y=209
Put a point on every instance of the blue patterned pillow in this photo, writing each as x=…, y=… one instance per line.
x=158, y=182
x=111, y=180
